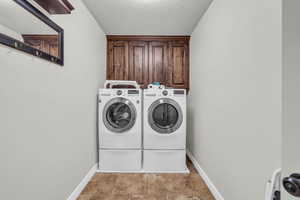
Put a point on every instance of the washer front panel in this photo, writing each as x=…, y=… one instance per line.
x=119, y=115
x=165, y=116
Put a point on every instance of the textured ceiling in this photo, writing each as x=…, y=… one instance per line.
x=147, y=17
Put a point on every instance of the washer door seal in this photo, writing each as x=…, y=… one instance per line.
x=165, y=116
x=119, y=115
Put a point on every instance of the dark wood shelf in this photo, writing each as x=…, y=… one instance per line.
x=56, y=6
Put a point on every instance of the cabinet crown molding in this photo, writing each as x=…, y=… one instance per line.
x=149, y=37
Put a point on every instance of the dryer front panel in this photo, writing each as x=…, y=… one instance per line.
x=120, y=123
x=164, y=124
x=165, y=116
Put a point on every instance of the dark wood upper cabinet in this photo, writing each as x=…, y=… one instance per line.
x=158, y=54
x=139, y=62
x=117, y=63
x=148, y=59
x=56, y=6
x=178, y=70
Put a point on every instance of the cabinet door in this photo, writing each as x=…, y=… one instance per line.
x=158, y=61
x=54, y=49
x=46, y=46
x=35, y=43
x=50, y=46
x=45, y=43
x=117, y=65
x=138, y=62
x=178, y=69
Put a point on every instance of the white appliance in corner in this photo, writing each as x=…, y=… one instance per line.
x=164, y=130
x=120, y=127
x=274, y=186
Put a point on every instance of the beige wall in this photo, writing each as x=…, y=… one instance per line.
x=235, y=98
x=48, y=113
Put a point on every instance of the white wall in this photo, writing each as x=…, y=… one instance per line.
x=235, y=98
x=48, y=113
x=291, y=95
x=7, y=31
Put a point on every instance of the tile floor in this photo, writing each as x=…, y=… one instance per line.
x=147, y=187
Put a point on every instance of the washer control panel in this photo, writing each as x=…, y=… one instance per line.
x=126, y=92
x=119, y=92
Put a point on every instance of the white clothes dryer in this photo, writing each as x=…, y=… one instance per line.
x=164, y=119
x=164, y=130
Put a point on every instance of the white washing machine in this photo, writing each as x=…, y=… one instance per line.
x=164, y=130
x=120, y=128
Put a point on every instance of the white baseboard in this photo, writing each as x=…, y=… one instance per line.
x=75, y=194
x=204, y=176
x=145, y=172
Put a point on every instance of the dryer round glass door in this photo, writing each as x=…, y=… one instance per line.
x=165, y=116
x=119, y=115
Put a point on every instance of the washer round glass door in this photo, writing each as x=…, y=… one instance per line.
x=119, y=115
x=165, y=116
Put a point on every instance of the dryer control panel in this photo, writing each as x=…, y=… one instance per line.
x=179, y=92
x=171, y=93
x=134, y=92
x=165, y=93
